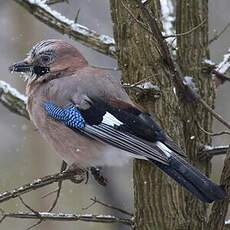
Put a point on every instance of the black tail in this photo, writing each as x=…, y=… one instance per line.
x=192, y=179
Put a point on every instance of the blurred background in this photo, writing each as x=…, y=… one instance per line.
x=24, y=155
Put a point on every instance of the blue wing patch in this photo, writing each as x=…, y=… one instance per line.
x=70, y=115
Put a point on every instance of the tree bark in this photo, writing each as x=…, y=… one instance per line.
x=157, y=199
x=192, y=50
x=220, y=209
x=159, y=202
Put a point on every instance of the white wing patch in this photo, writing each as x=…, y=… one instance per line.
x=109, y=119
x=164, y=148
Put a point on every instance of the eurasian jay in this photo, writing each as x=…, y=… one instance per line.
x=89, y=119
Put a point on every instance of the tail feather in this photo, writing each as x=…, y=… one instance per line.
x=192, y=179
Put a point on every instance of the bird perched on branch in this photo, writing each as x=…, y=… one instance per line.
x=89, y=119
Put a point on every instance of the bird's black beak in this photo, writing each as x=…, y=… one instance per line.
x=22, y=66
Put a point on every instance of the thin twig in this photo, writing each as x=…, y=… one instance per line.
x=69, y=217
x=137, y=21
x=52, y=2
x=219, y=34
x=49, y=193
x=187, y=32
x=95, y=200
x=28, y=207
x=35, y=224
x=214, y=113
x=211, y=133
x=63, y=168
x=35, y=212
x=77, y=16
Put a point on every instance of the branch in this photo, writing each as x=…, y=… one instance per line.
x=58, y=191
x=38, y=183
x=224, y=66
x=13, y=100
x=95, y=200
x=224, y=132
x=220, y=70
x=187, y=32
x=67, y=217
x=55, y=20
x=135, y=19
x=211, y=151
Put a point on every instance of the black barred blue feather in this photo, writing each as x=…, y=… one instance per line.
x=70, y=115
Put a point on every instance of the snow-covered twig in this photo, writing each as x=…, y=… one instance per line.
x=38, y=183
x=13, y=100
x=221, y=70
x=211, y=151
x=100, y=42
x=224, y=66
x=67, y=217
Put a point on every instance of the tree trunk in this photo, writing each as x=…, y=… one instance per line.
x=159, y=202
x=192, y=50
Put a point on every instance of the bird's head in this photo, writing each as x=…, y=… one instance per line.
x=49, y=59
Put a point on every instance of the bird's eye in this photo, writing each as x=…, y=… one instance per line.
x=45, y=59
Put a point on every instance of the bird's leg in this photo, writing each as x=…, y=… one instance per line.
x=70, y=114
x=96, y=173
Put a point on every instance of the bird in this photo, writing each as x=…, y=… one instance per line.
x=85, y=114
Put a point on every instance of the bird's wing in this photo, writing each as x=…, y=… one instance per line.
x=125, y=141
x=112, y=117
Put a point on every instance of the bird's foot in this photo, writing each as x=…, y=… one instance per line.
x=81, y=174
x=96, y=173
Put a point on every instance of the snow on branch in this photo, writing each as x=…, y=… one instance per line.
x=221, y=71
x=42, y=216
x=100, y=42
x=38, y=183
x=13, y=100
x=211, y=151
x=224, y=66
x=66, y=217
